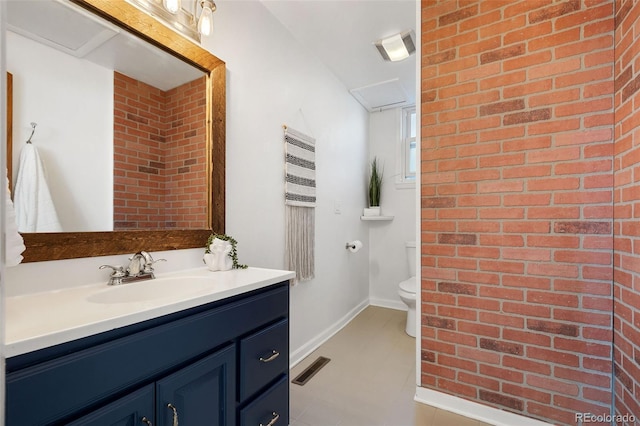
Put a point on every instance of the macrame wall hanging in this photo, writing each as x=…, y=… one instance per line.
x=300, y=203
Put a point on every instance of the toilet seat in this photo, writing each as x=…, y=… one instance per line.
x=409, y=285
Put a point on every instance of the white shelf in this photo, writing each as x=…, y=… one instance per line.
x=376, y=217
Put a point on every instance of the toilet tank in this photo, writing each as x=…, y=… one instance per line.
x=411, y=257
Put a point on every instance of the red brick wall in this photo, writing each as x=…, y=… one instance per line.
x=627, y=194
x=517, y=193
x=185, y=163
x=139, y=134
x=159, y=166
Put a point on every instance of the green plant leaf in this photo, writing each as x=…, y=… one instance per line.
x=375, y=183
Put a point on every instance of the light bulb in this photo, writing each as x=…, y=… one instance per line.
x=205, y=23
x=172, y=6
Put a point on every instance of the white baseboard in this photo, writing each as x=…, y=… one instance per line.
x=388, y=303
x=312, y=344
x=474, y=410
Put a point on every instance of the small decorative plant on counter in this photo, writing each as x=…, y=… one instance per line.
x=221, y=253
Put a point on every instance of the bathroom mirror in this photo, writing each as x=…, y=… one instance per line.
x=64, y=245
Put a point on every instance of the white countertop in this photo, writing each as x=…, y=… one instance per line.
x=39, y=320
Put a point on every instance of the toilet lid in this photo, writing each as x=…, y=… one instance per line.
x=409, y=285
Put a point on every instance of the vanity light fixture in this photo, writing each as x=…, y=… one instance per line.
x=396, y=47
x=205, y=22
x=194, y=19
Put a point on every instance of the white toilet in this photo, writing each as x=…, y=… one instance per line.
x=407, y=289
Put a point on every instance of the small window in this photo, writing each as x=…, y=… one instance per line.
x=409, y=150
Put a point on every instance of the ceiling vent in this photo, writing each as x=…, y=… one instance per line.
x=381, y=96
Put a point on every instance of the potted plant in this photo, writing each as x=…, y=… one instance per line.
x=375, y=189
x=221, y=253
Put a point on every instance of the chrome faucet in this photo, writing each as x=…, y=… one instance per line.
x=141, y=265
x=140, y=268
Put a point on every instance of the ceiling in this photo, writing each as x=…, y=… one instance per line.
x=341, y=34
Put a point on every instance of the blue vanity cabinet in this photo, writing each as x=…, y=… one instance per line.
x=200, y=394
x=204, y=361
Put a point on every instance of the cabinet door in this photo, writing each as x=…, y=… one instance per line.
x=135, y=409
x=201, y=394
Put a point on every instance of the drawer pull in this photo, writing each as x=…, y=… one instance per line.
x=175, y=414
x=273, y=421
x=146, y=421
x=275, y=354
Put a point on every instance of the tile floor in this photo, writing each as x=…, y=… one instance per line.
x=370, y=380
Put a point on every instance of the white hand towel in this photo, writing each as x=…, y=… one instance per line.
x=14, y=244
x=35, y=210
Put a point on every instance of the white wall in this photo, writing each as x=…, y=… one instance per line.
x=272, y=80
x=387, y=258
x=71, y=100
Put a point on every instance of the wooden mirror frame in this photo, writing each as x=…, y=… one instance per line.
x=69, y=245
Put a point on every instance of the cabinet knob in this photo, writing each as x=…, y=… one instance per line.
x=273, y=421
x=175, y=414
x=146, y=421
x=275, y=354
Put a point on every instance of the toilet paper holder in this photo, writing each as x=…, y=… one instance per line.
x=353, y=246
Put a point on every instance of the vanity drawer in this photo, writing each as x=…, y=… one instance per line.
x=263, y=357
x=271, y=408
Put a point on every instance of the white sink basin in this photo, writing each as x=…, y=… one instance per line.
x=175, y=288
